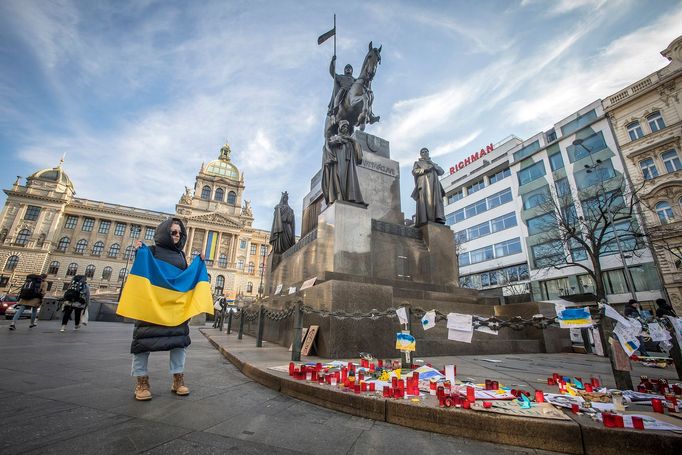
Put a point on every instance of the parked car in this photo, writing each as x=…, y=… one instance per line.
x=11, y=310
x=7, y=301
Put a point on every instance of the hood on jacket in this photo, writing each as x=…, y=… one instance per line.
x=82, y=278
x=162, y=237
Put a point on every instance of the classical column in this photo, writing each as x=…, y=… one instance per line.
x=188, y=253
x=218, y=246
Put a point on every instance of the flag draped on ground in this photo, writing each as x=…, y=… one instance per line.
x=163, y=294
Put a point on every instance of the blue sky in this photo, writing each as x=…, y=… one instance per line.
x=160, y=85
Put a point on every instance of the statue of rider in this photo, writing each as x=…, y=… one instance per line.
x=342, y=83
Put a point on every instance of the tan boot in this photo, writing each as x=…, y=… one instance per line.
x=142, y=390
x=179, y=387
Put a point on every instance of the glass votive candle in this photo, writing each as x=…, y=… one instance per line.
x=457, y=401
x=466, y=404
x=394, y=382
x=415, y=376
x=387, y=391
x=380, y=363
x=551, y=381
x=334, y=380
x=487, y=404
x=575, y=408
x=447, y=401
x=487, y=384
x=440, y=391
x=372, y=386
x=539, y=396
x=471, y=394
x=637, y=423
x=292, y=367
x=596, y=381
x=657, y=404
x=363, y=386
x=494, y=385
x=588, y=387
x=441, y=401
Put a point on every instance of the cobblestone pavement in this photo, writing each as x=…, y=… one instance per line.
x=71, y=393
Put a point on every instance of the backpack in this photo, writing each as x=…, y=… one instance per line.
x=75, y=292
x=31, y=288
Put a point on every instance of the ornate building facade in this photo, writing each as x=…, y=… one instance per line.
x=44, y=228
x=646, y=117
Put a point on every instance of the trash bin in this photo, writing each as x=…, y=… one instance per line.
x=48, y=309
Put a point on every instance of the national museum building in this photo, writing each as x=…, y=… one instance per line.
x=44, y=228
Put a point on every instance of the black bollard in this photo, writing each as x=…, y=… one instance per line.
x=298, y=324
x=241, y=324
x=261, y=322
x=229, y=322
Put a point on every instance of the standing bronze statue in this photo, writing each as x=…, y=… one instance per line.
x=428, y=192
x=283, y=232
x=352, y=98
x=342, y=154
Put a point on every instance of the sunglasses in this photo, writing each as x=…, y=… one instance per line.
x=175, y=233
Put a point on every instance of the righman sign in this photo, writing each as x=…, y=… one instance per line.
x=472, y=158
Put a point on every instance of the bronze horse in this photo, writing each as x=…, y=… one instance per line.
x=356, y=106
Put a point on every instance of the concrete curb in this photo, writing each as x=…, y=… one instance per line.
x=575, y=437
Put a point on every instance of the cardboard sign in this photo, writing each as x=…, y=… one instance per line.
x=304, y=332
x=308, y=283
x=309, y=339
x=537, y=410
x=278, y=289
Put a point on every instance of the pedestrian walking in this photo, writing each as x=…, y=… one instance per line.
x=76, y=298
x=169, y=241
x=30, y=296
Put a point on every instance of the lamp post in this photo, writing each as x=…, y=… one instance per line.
x=628, y=275
x=262, y=269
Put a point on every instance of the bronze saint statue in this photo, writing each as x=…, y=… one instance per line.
x=342, y=154
x=352, y=98
x=428, y=191
x=283, y=233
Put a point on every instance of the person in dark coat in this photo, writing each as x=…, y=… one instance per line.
x=32, y=303
x=664, y=309
x=169, y=241
x=75, y=301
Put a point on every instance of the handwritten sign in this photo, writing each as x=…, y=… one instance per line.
x=309, y=339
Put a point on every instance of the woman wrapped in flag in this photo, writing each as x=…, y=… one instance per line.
x=162, y=293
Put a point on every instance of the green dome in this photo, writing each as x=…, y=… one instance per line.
x=223, y=167
x=54, y=175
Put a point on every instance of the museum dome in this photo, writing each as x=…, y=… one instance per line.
x=53, y=175
x=223, y=167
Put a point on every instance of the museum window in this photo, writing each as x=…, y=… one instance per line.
x=249, y=287
x=222, y=260
x=251, y=268
x=80, y=246
x=71, y=222
x=263, y=250
x=90, y=271
x=149, y=233
x=128, y=252
x=531, y=173
x=232, y=197
x=648, y=167
x=219, y=194
x=120, y=229
x=253, y=249
x=240, y=264
x=242, y=244
x=476, y=186
x=206, y=192
x=72, y=269
x=503, y=174
x=219, y=284
x=106, y=273
x=122, y=274
x=655, y=121
x=3, y=235
x=556, y=162
x=63, y=244
x=53, y=268
x=671, y=160
x=114, y=250
x=11, y=263
x=32, y=213
x=88, y=224
x=261, y=268
x=22, y=237
x=634, y=130
x=135, y=231
x=98, y=248
x=664, y=212
x=104, y=226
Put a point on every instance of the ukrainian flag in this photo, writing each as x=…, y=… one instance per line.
x=163, y=294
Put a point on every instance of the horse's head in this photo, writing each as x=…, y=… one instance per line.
x=372, y=60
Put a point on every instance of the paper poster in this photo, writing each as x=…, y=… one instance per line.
x=404, y=342
x=460, y=335
x=610, y=312
x=450, y=373
x=429, y=320
x=677, y=325
x=575, y=318
x=627, y=336
x=657, y=332
x=486, y=329
x=650, y=422
x=598, y=347
x=537, y=410
x=308, y=283
x=457, y=321
x=621, y=359
x=426, y=373
x=402, y=315
x=278, y=289
x=292, y=290
x=563, y=401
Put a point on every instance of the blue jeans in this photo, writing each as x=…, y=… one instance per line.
x=20, y=309
x=176, y=364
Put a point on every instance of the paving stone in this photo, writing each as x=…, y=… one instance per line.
x=213, y=444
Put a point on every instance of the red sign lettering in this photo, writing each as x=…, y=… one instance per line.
x=473, y=157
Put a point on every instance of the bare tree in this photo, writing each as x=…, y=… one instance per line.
x=579, y=227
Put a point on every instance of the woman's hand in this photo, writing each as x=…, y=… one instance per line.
x=201, y=255
x=138, y=244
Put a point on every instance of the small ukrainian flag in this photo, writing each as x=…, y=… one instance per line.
x=160, y=293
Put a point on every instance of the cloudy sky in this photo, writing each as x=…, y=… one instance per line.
x=139, y=93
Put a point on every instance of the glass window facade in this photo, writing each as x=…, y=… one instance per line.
x=671, y=160
x=531, y=173
x=503, y=174
x=556, y=162
x=71, y=222
x=580, y=122
x=600, y=174
x=120, y=229
x=591, y=144
x=548, y=254
x=634, y=130
x=476, y=186
x=88, y=224
x=542, y=223
x=649, y=170
x=527, y=151
x=454, y=197
x=655, y=121
x=104, y=226
x=536, y=197
x=490, y=252
x=32, y=213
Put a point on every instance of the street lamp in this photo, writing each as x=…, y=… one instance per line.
x=262, y=269
x=628, y=275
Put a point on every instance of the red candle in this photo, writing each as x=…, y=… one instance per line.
x=588, y=387
x=637, y=423
x=466, y=404
x=487, y=384
x=494, y=385
x=363, y=386
x=387, y=391
x=372, y=386
x=575, y=408
x=596, y=382
x=440, y=391
x=551, y=381
x=539, y=396
x=371, y=368
x=441, y=401
x=657, y=405
x=292, y=367
x=471, y=394
x=380, y=363
x=447, y=401
x=607, y=417
x=415, y=376
x=356, y=388
x=487, y=404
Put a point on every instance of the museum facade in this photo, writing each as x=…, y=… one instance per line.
x=44, y=228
